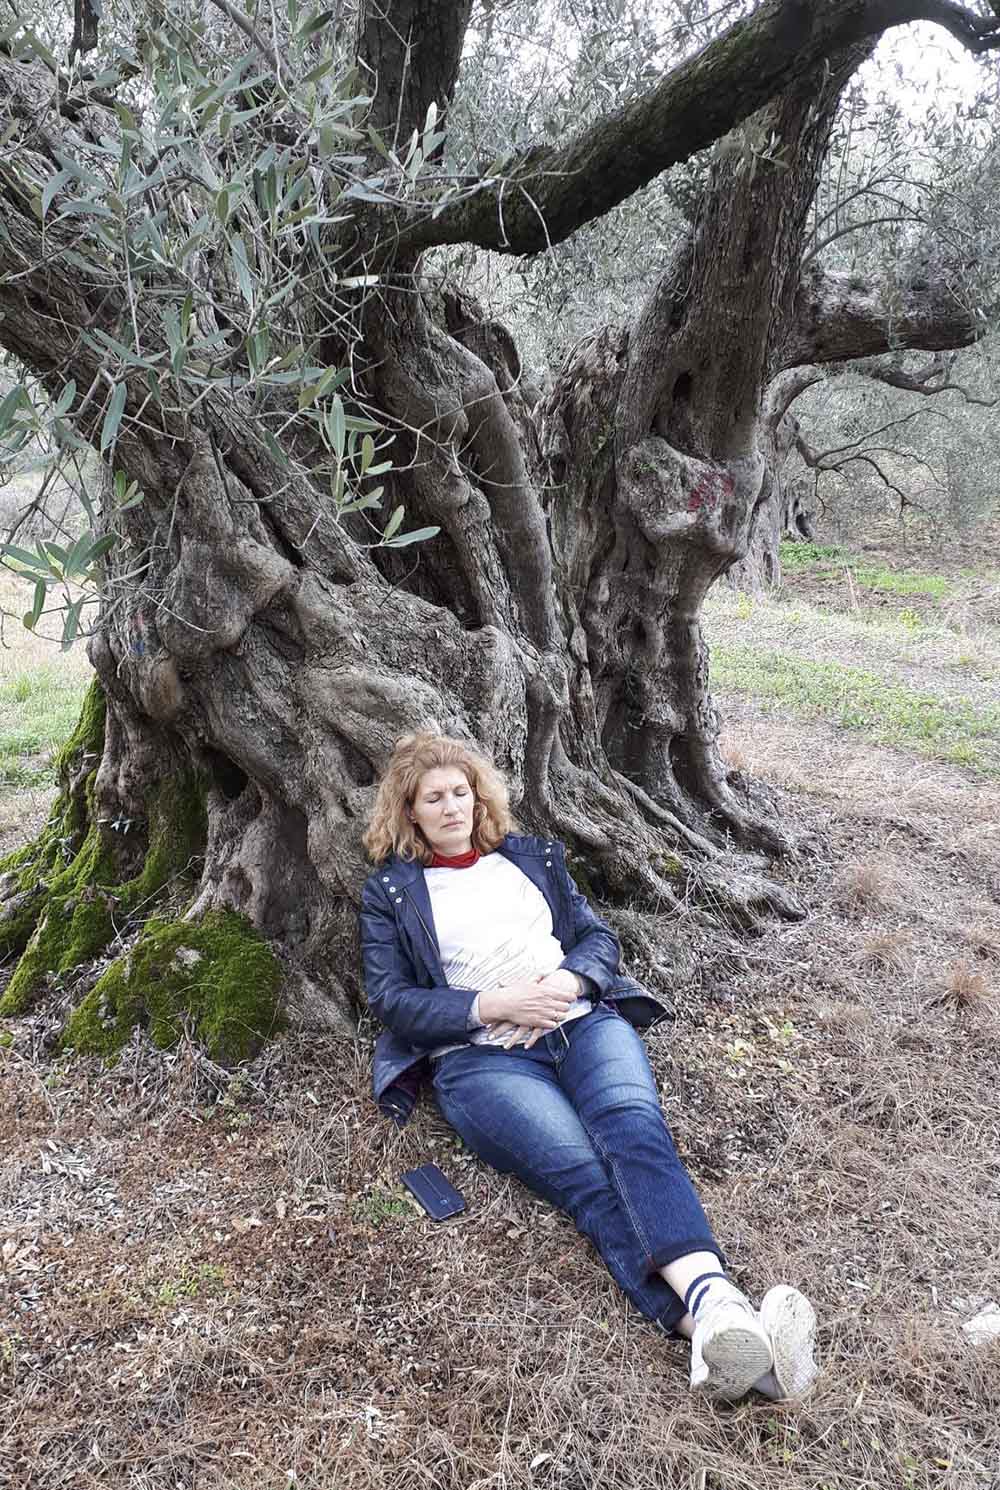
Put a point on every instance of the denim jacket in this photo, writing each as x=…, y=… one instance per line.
x=405, y=982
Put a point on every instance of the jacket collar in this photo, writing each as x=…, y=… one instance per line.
x=514, y=846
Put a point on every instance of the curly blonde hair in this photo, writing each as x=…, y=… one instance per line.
x=390, y=829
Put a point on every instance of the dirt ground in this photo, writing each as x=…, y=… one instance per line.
x=213, y=1281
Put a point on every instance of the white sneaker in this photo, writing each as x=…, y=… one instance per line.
x=730, y=1349
x=789, y=1320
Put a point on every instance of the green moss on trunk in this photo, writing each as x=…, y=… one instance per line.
x=216, y=976
x=75, y=924
x=83, y=905
x=88, y=737
x=63, y=905
x=63, y=902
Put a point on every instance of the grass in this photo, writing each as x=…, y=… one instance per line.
x=831, y=1085
x=901, y=582
x=38, y=711
x=41, y=689
x=946, y=729
x=797, y=558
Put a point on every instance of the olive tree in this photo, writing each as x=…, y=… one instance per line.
x=332, y=509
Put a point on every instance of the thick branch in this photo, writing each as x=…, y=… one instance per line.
x=542, y=195
x=411, y=49
x=836, y=321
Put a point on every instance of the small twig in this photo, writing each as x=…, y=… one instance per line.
x=249, y=29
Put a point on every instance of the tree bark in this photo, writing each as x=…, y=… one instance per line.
x=540, y=196
x=251, y=639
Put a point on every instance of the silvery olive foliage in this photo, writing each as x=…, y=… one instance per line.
x=232, y=155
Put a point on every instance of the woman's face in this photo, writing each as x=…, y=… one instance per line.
x=442, y=810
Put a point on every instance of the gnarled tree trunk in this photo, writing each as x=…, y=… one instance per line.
x=249, y=638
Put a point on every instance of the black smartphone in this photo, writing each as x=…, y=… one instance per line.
x=438, y=1198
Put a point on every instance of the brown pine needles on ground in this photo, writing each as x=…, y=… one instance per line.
x=213, y=1281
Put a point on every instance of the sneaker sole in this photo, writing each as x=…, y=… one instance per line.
x=736, y=1357
x=789, y=1320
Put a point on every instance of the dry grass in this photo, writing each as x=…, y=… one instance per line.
x=210, y=1283
x=983, y=938
x=966, y=988
x=878, y=882
x=889, y=951
x=23, y=651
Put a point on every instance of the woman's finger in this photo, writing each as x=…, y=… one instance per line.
x=536, y=1034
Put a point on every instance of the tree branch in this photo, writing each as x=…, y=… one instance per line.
x=548, y=192
x=836, y=319
x=243, y=21
x=930, y=380
x=857, y=227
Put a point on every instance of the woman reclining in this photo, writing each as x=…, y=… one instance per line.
x=488, y=968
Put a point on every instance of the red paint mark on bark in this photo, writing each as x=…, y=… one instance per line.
x=712, y=489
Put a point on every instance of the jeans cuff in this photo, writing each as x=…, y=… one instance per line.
x=666, y=1255
x=671, y=1318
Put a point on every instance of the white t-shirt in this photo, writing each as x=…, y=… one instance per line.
x=493, y=926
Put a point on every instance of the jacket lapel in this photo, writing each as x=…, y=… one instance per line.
x=418, y=917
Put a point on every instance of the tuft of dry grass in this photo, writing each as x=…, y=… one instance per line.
x=890, y=951
x=870, y=883
x=732, y=752
x=966, y=988
x=983, y=939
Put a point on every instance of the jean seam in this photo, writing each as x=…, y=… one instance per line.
x=516, y=1154
x=624, y=1200
x=622, y=1196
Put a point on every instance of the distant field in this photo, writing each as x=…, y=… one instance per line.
x=906, y=657
x=41, y=688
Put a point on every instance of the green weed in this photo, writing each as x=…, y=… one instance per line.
x=798, y=557
x=889, y=713
x=378, y=1207
x=192, y=1281
x=38, y=711
x=911, y=619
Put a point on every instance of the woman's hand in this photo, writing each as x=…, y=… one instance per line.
x=507, y=1035
x=537, y=1004
x=564, y=979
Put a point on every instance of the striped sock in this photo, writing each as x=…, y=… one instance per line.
x=711, y=1288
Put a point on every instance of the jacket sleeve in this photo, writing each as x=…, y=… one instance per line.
x=595, y=952
x=424, y=1017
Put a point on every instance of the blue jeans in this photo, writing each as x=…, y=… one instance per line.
x=577, y=1119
